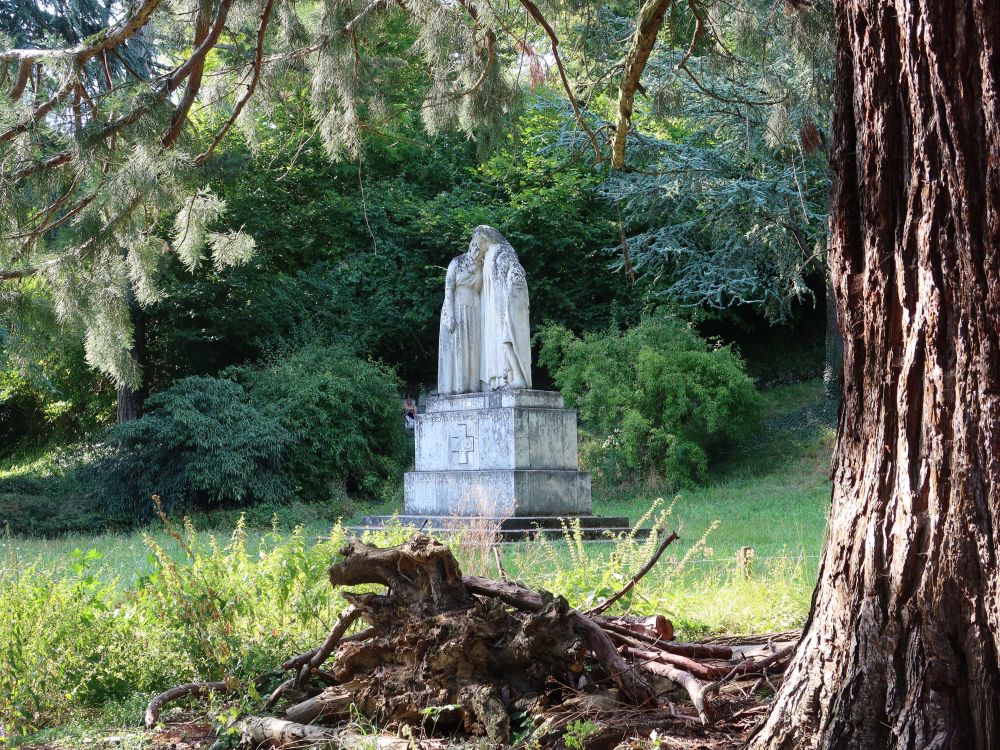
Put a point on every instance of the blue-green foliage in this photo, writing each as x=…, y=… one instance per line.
x=308, y=426
x=657, y=397
x=202, y=443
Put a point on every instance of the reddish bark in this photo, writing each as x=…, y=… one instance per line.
x=901, y=649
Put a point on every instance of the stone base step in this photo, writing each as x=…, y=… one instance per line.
x=509, y=529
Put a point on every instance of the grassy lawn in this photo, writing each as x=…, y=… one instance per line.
x=89, y=637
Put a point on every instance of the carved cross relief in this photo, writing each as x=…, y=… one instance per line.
x=461, y=444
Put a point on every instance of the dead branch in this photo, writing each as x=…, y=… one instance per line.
x=708, y=671
x=634, y=687
x=266, y=731
x=347, y=618
x=636, y=578
x=194, y=689
x=694, y=688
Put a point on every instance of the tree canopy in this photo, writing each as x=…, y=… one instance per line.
x=113, y=138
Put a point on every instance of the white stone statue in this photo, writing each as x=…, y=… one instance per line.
x=460, y=334
x=506, y=337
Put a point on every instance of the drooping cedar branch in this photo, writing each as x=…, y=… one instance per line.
x=202, y=30
x=23, y=74
x=540, y=19
x=69, y=83
x=193, y=64
x=491, y=42
x=647, y=26
x=258, y=60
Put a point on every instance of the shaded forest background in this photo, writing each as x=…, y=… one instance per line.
x=712, y=241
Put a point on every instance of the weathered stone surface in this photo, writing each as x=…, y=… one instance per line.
x=498, y=430
x=484, y=340
x=510, y=452
x=498, y=492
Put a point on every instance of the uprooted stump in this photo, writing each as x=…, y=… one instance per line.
x=446, y=654
x=440, y=655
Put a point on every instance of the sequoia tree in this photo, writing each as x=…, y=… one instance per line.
x=901, y=648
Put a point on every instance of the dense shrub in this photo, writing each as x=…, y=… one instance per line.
x=201, y=443
x=345, y=417
x=657, y=397
x=312, y=426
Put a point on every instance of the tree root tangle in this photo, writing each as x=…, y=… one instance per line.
x=446, y=657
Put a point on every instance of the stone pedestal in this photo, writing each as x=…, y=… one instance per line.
x=502, y=453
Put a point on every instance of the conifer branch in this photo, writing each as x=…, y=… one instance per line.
x=201, y=32
x=23, y=74
x=258, y=61
x=491, y=40
x=68, y=85
x=535, y=13
x=647, y=26
x=93, y=45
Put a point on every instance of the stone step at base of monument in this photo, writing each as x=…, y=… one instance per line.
x=510, y=529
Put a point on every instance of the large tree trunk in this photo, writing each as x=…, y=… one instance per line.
x=834, y=359
x=901, y=649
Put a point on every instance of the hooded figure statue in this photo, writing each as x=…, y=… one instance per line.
x=506, y=334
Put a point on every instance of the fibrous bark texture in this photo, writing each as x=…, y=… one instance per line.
x=901, y=649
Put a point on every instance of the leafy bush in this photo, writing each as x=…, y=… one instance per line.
x=84, y=637
x=344, y=415
x=201, y=443
x=312, y=426
x=657, y=397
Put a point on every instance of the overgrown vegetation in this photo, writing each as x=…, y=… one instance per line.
x=195, y=607
x=146, y=611
x=315, y=425
x=657, y=398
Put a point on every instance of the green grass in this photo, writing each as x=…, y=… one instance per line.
x=771, y=493
x=87, y=639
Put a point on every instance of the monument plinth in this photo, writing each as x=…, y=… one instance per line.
x=498, y=453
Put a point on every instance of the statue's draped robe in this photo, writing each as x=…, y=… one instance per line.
x=505, y=318
x=459, y=352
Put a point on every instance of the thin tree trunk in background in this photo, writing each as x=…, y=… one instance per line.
x=832, y=375
x=901, y=649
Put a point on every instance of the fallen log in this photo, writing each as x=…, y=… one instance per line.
x=280, y=734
